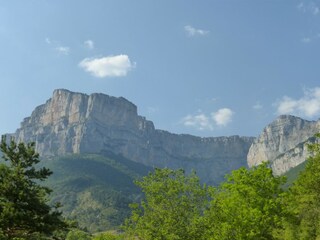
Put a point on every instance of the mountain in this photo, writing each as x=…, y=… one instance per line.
x=97, y=145
x=283, y=143
x=76, y=123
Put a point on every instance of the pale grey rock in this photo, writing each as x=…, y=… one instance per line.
x=283, y=143
x=78, y=123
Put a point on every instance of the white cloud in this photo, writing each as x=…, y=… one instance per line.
x=63, y=50
x=286, y=105
x=89, y=44
x=307, y=106
x=191, y=31
x=200, y=121
x=110, y=66
x=222, y=117
x=257, y=106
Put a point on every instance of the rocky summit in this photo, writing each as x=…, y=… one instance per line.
x=283, y=143
x=72, y=122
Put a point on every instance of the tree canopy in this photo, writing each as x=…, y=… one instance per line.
x=173, y=206
x=24, y=212
x=246, y=206
x=249, y=204
x=177, y=206
x=303, y=201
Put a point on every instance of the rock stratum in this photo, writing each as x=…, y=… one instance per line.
x=283, y=143
x=72, y=123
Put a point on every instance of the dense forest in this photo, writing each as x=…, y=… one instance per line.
x=249, y=204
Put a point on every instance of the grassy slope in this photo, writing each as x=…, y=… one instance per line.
x=293, y=174
x=95, y=189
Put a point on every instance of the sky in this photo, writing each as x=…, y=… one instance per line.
x=206, y=68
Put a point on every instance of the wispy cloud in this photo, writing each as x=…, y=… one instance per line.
x=191, y=31
x=309, y=7
x=48, y=41
x=202, y=121
x=223, y=116
x=199, y=121
x=257, y=106
x=306, y=40
x=311, y=38
x=110, y=66
x=89, y=44
x=63, y=50
x=152, y=110
x=306, y=106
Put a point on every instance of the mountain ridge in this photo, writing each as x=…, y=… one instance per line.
x=71, y=122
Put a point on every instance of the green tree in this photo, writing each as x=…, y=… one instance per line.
x=107, y=236
x=173, y=207
x=24, y=212
x=247, y=206
x=77, y=234
x=303, y=200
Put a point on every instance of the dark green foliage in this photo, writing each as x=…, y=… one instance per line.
x=24, y=212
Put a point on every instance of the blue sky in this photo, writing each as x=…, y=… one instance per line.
x=207, y=68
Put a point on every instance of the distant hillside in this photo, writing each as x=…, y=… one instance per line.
x=95, y=189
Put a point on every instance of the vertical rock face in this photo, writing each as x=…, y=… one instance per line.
x=283, y=143
x=77, y=123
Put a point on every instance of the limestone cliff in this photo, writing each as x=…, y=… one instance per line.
x=283, y=143
x=78, y=123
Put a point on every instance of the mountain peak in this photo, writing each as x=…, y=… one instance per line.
x=72, y=122
x=282, y=143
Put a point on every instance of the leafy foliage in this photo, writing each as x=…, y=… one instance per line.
x=108, y=236
x=24, y=212
x=173, y=206
x=77, y=234
x=303, y=199
x=96, y=191
x=250, y=204
x=247, y=206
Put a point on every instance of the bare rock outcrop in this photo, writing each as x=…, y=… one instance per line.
x=283, y=143
x=78, y=123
